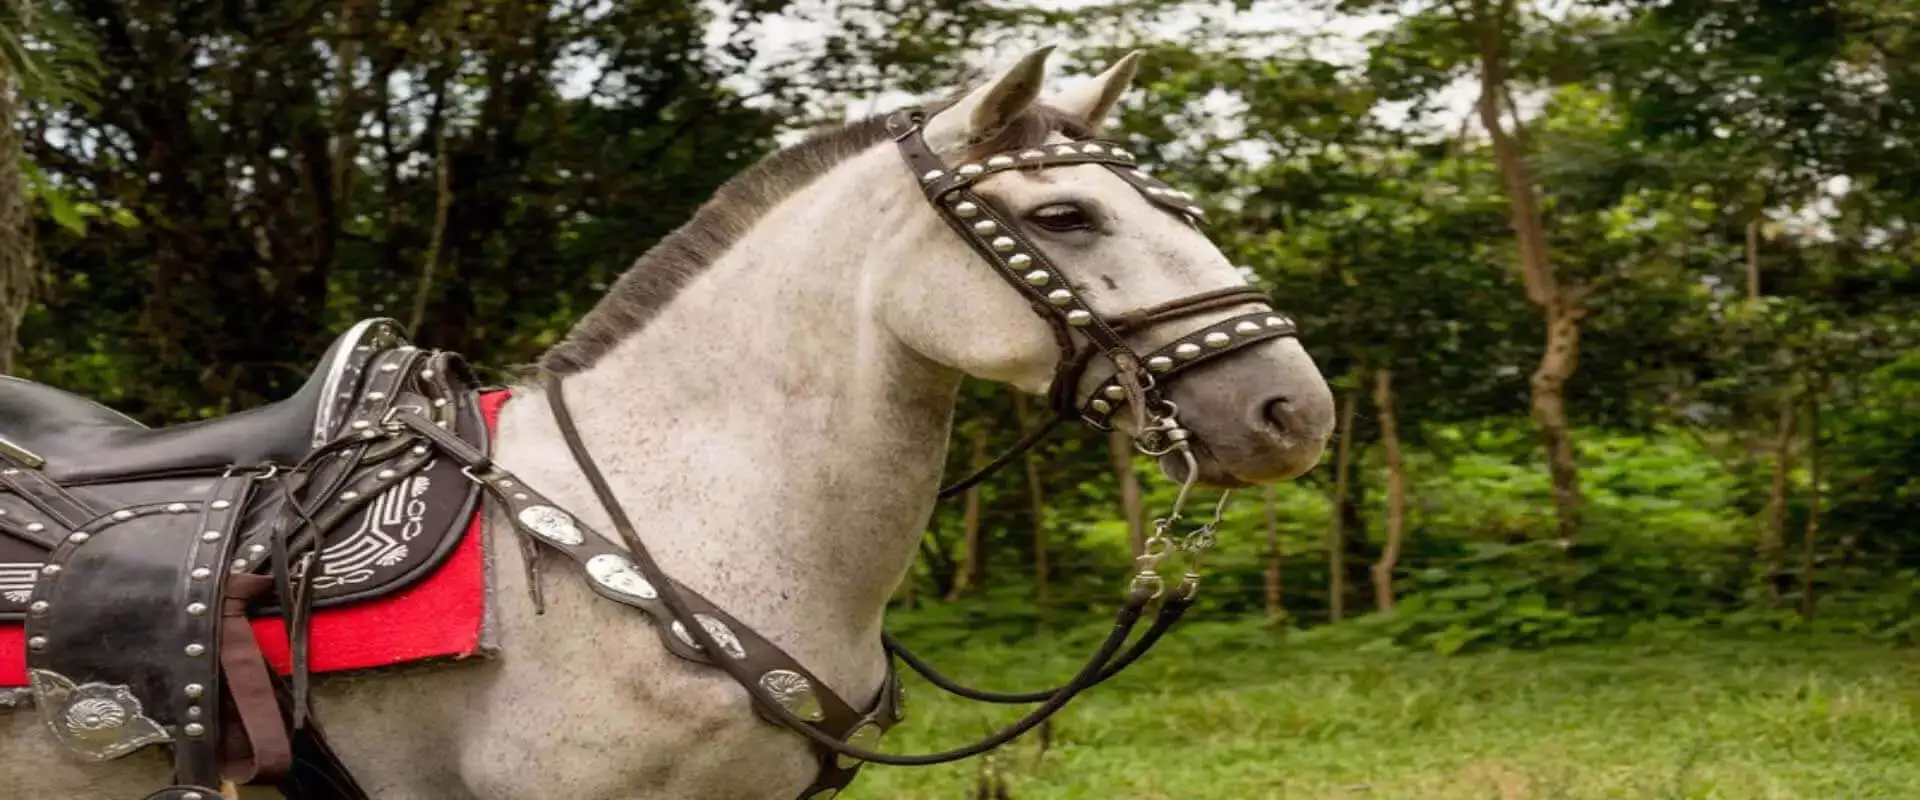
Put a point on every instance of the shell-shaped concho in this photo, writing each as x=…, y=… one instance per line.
x=96, y=718
x=617, y=573
x=551, y=524
x=795, y=694
x=715, y=628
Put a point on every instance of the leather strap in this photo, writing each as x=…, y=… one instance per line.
x=256, y=750
x=49, y=498
x=1195, y=348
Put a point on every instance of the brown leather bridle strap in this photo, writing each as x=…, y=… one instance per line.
x=1192, y=305
x=986, y=229
x=1064, y=394
x=1191, y=350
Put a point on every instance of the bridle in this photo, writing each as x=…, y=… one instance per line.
x=1137, y=385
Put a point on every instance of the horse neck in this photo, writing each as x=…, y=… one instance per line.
x=776, y=448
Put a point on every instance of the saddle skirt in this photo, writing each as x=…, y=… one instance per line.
x=138, y=567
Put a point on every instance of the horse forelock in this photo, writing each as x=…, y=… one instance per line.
x=657, y=277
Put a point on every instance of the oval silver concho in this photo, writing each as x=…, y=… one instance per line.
x=795, y=694
x=617, y=573
x=551, y=524
x=715, y=628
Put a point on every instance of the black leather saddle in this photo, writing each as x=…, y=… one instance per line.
x=81, y=441
x=135, y=556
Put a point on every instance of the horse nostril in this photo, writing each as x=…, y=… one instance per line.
x=1282, y=415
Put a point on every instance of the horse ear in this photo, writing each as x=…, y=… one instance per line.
x=988, y=109
x=1093, y=100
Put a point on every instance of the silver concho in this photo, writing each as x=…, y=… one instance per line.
x=617, y=573
x=715, y=628
x=865, y=737
x=551, y=524
x=795, y=694
x=97, y=721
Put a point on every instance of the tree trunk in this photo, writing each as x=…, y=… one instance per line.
x=1812, y=534
x=1561, y=309
x=1396, y=491
x=347, y=104
x=1120, y=451
x=1276, y=609
x=967, y=578
x=442, y=205
x=1753, y=258
x=1336, y=538
x=1036, y=495
x=1774, y=535
x=1550, y=411
x=16, y=227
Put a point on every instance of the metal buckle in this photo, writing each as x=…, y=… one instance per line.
x=386, y=420
x=492, y=474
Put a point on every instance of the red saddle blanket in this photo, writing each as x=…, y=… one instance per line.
x=439, y=617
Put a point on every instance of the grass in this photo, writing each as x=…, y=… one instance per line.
x=1235, y=711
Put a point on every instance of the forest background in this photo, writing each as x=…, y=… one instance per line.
x=1618, y=298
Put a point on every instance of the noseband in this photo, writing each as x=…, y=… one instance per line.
x=843, y=736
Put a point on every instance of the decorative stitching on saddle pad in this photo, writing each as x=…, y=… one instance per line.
x=392, y=521
x=16, y=581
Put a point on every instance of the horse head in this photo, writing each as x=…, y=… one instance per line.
x=1112, y=245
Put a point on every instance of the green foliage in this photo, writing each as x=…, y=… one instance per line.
x=49, y=57
x=1493, y=597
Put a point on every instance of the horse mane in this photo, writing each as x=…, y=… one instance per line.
x=653, y=281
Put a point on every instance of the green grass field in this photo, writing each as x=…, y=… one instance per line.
x=1236, y=712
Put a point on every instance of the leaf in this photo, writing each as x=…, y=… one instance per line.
x=65, y=213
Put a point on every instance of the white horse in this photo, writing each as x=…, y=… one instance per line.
x=770, y=391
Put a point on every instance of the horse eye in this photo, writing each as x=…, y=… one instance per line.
x=1061, y=217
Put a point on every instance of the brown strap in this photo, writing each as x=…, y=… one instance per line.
x=1191, y=349
x=1141, y=318
x=257, y=749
